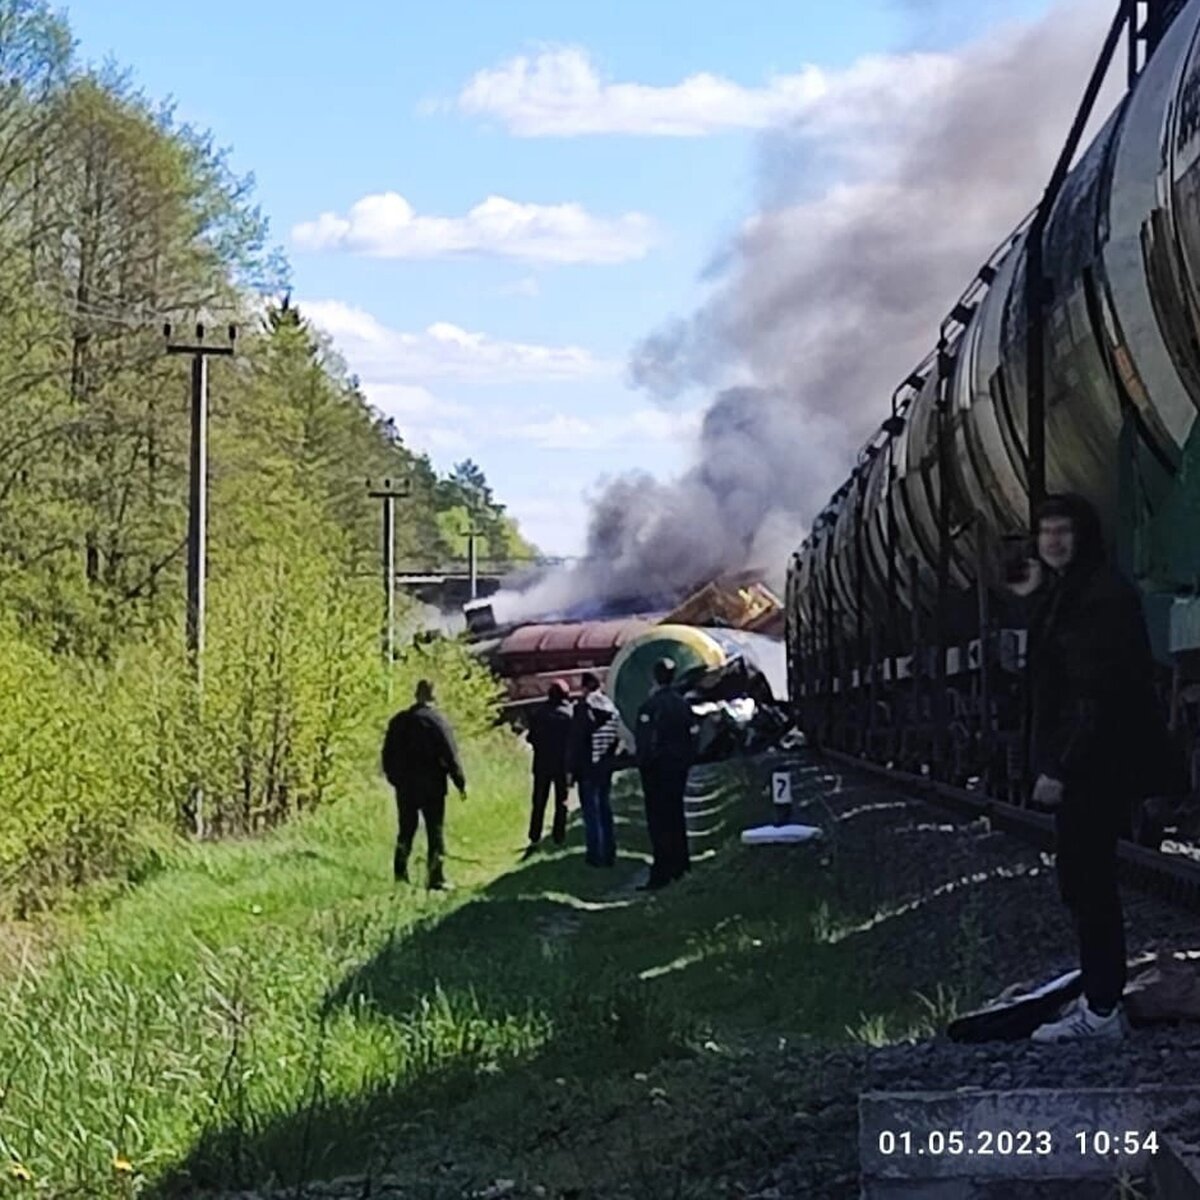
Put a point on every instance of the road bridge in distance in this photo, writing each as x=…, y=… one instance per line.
x=447, y=585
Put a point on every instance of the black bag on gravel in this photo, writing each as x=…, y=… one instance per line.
x=1012, y=1018
x=1015, y=1015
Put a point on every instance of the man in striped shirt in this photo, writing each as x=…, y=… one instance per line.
x=593, y=749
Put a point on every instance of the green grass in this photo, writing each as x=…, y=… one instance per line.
x=277, y=1011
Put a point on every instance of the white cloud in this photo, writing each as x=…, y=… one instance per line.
x=385, y=226
x=559, y=432
x=442, y=351
x=659, y=424
x=395, y=367
x=565, y=431
x=426, y=421
x=436, y=437
x=414, y=403
x=560, y=93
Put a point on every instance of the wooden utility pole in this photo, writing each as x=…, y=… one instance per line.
x=197, y=533
x=389, y=495
x=472, y=533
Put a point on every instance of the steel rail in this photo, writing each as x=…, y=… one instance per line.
x=1173, y=878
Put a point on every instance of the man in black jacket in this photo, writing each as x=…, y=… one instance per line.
x=666, y=739
x=418, y=755
x=1097, y=740
x=550, y=736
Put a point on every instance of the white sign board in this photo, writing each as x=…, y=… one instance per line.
x=781, y=788
x=766, y=835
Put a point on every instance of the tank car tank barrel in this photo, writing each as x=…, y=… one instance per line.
x=810, y=673
x=1035, y=369
x=1014, y=410
x=893, y=551
x=1035, y=282
x=945, y=368
x=872, y=684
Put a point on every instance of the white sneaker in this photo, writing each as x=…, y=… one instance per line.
x=1080, y=1021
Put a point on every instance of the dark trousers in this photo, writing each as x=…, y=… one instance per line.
x=1087, y=830
x=542, y=781
x=413, y=804
x=663, y=786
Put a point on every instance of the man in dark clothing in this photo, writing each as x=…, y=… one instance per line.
x=418, y=755
x=1097, y=739
x=666, y=733
x=550, y=735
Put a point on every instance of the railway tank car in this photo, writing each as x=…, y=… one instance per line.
x=692, y=649
x=714, y=666
x=898, y=641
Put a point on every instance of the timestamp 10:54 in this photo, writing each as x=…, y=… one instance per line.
x=949, y=1142
x=1127, y=1142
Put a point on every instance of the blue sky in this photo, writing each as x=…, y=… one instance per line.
x=502, y=334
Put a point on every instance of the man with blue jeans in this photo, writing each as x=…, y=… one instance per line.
x=594, y=738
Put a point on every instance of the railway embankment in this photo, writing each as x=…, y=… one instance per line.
x=273, y=1020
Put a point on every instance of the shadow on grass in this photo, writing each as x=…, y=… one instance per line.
x=557, y=980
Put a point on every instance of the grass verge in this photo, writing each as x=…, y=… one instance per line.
x=271, y=1012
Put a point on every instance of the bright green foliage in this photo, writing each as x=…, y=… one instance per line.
x=90, y=758
x=115, y=218
x=93, y=760
x=200, y=996
x=468, y=693
x=291, y=675
x=468, y=493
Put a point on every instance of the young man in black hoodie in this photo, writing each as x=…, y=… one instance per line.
x=1097, y=740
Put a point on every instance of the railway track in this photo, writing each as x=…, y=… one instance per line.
x=1170, y=876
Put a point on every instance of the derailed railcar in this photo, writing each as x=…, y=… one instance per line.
x=530, y=657
x=734, y=680
x=902, y=644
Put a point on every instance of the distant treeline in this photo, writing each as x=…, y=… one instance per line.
x=114, y=219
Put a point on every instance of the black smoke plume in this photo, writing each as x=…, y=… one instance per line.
x=877, y=208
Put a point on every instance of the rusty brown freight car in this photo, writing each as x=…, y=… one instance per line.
x=530, y=658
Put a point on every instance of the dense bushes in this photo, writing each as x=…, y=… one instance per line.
x=97, y=762
x=77, y=763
